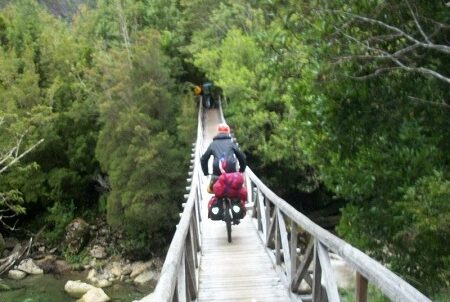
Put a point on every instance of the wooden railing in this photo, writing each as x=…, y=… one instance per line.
x=300, y=249
x=179, y=275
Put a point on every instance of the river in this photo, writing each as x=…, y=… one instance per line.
x=50, y=288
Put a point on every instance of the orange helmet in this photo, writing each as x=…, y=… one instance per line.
x=223, y=128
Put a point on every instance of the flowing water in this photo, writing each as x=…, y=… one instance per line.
x=50, y=288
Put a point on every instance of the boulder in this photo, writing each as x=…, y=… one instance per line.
x=116, y=269
x=47, y=264
x=29, y=267
x=126, y=269
x=145, y=277
x=92, y=275
x=98, y=252
x=99, y=279
x=61, y=266
x=77, y=235
x=139, y=267
x=77, y=288
x=119, y=268
x=102, y=283
x=95, y=295
x=16, y=274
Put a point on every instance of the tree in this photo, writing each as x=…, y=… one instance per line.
x=138, y=115
x=44, y=86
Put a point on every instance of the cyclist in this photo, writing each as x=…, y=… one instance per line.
x=223, y=148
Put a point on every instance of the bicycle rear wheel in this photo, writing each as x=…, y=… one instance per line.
x=227, y=218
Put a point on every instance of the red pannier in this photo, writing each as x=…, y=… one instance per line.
x=229, y=185
x=217, y=212
x=243, y=194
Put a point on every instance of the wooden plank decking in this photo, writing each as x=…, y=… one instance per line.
x=237, y=271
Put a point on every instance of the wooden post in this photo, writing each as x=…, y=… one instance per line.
x=284, y=245
x=197, y=230
x=293, y=248
x=193, y=236
x=262, y=212
x=361, y=288
x=249, y=186
x=302, y=270
x=190, y=270
x=317, y=281
x=197, y=204
x=277, y=239
x=259, y=210
x=267, y=217
x=254, y=199
x=330, y=290
x=271, y=230
x=180, y=292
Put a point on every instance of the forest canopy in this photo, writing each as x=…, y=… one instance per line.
x=346, y=102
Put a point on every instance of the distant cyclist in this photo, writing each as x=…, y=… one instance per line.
x=206, y=93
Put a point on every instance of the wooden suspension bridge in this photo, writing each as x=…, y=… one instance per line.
x=277, y=253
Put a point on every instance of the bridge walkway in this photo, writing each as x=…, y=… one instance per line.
x=240, y=270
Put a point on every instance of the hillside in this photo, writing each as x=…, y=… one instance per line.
x=61, y=8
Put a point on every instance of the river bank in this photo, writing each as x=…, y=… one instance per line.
x=37, y=272
x=50, y=288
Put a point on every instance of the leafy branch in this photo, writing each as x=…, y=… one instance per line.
x=14, y=155
x=378, y=53
x=404, y=58
x=10, y=201
x=425, y=44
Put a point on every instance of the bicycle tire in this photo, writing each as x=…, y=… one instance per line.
x=227, y=219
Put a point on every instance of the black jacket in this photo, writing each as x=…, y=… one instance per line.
x=222, y=146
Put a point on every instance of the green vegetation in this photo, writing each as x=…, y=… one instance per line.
x=77, y=260
x=102, y=94
x=350, y=99
x=373, y=295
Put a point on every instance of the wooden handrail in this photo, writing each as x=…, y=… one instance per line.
x=389, y=283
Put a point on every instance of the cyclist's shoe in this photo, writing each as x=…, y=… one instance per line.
x=236, y=221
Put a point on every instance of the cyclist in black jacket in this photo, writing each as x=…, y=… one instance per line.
x=223, y=148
